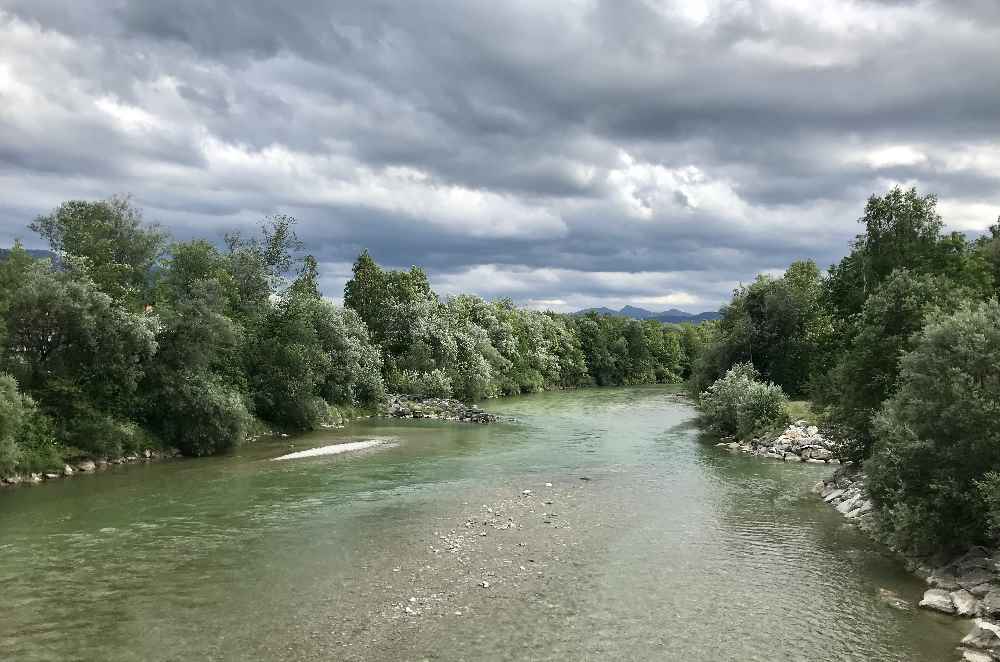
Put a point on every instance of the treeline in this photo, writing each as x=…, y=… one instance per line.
x=898, y=347
x=131, y=341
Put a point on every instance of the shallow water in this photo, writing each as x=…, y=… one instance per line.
x=674, y=550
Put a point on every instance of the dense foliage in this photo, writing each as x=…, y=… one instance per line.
x=896, y=346
x=127, y=341
x=470, y=348
x=933, y=467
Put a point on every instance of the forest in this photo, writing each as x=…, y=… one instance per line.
x=127, y=340
x=898, y=348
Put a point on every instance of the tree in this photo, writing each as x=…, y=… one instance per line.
x=937, y=438
x=111, y=243
x=78, y=354
x=865, y=374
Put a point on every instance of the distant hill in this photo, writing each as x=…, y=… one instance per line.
x=672, y=316
x=36, y=253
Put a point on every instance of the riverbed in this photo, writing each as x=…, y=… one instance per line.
x=597, y=525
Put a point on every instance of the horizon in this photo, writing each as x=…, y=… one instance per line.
x=702, y=144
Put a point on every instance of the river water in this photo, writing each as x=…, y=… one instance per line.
x=648, y=543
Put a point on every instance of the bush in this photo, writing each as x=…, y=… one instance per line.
x=26, y=440
x=201, y=416
x=13, y=411
x=738, y=403
x=762, y=410
x=937, y=437
x=435, y=383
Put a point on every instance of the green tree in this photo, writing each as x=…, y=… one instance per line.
x=937, y=438
x=77, y=353
x=866, y=372
x=111, y=243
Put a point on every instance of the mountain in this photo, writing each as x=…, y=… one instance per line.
x=672, y=316
x=36, y=253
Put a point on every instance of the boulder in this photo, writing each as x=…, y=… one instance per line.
x=990, y=604
x=983, y=636
x=938, y=600
x=982, y=590
x=836, y=494
x=892, y=599
x=817, y=453
x=68, y=470
x=862, y=508
x=943, y=579
x=976, y=656
x=86, y=466
x=965, y=603
x=974, y=577
x=849, y=504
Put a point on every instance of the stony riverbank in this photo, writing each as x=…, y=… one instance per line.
x=965, y=586
x=447, y=409
x=87, y=466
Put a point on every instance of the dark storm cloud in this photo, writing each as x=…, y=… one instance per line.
x=559, y=153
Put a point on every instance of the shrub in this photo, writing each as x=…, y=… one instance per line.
x=435, y=383
x=738, y=403
x=937, y=438
x=201, y=416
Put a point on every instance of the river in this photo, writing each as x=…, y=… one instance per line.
x=647, y=544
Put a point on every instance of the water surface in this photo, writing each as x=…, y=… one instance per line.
x=653, y=545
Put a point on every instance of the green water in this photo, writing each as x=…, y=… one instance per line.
x=663, y=547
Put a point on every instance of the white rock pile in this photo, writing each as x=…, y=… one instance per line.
x=448, y=409
x=800, y=442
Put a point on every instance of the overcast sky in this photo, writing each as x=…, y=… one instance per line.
x=565, y=154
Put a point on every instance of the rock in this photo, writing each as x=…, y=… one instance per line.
x=792, y=457
x=34, y=478
x=976, y=656
x=981, y=590
x=861, y=508
x=974, y=577
x=526, y=492
x=965, y=603
x=86, y=466
x=812, y=430
x=938, y=600
x=68, y=470
x=484, y=584
x=943, y=579
x=849, y=505
x=836, y=494
x=51, y=476
x=990, y=605
x=820, y=454
x=983, y=635
x=892, y=599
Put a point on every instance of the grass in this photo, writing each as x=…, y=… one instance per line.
x=801, y=410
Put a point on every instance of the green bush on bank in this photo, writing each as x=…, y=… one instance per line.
x=740, y=404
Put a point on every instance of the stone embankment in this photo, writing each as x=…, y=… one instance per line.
x=86, y=467
x=446, y=409
x=800, y=442
x=966, y=586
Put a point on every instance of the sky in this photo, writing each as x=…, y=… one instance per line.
x=563, y=154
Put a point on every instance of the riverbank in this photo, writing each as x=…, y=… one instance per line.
x=395, y=406
x=966, y=585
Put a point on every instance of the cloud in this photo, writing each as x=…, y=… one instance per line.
x=563, y=154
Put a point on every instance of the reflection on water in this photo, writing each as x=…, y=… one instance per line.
x=686, y=552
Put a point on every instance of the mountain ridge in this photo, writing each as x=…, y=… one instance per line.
x=671, y=316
